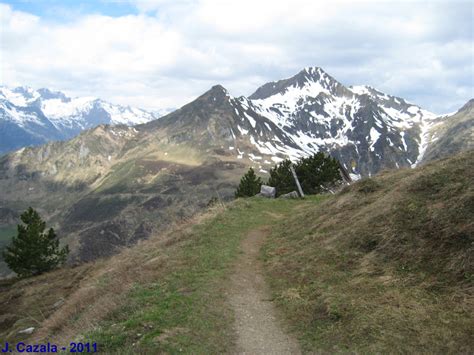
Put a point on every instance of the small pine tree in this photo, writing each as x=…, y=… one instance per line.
x=316, y=172
x=281, y=178
x=32, y=251
x=249, y=185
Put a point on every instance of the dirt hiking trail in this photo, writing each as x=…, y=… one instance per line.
x=258, y=329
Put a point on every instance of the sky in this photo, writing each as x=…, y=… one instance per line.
x=161, y=54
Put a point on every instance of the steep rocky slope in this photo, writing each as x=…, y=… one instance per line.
x=452, y=135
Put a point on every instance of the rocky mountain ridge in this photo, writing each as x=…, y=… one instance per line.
x=364, y=128
x=34, y=117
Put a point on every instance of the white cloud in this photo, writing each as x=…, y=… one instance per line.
x=172, y=51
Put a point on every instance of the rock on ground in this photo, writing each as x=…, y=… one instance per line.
x=292, y=194
x=267, y=191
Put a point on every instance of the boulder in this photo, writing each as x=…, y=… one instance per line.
x=292, y=194
x=267, y=191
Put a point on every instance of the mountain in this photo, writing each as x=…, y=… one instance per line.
x=364, y=128
x=113, y=185
x=452, y=134
x=34, y=117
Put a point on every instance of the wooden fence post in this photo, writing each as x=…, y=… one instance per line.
x=296, y=180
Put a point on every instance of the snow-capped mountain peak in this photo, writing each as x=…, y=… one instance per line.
x=311, y=81
x=36, y=116
x=363, y=127
x=20, y=96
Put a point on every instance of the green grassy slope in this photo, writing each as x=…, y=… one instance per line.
x=186, y=308
x=163, y=295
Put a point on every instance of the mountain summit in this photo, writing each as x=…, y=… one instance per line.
x=366, y=129
x=311, y=81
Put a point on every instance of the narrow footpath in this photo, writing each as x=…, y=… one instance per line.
x=258, y=329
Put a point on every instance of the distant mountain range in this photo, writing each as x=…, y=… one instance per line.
x=364, y=128
x=34, y=117
x=112, y=185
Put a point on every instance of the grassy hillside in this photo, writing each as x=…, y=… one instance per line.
x=383, y=266
x=165, y=294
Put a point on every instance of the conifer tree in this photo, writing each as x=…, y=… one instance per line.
x=281, y=178
x=249, y=185
x=316, y=172
x=34, y=251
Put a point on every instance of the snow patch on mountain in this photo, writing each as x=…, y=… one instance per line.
x=57, y=109
x=24, y=109
x=360, y=90
x=312, y=112
x=427, y=122
x=62, y=110
x=20, y=96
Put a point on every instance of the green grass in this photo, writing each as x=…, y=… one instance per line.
x=185, y=309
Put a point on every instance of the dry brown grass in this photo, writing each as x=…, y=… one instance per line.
x=386, y=265
x=87, y=293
